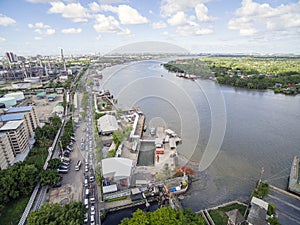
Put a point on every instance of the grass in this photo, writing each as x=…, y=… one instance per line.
x=13, y=211
x=219, y=216
x=116, y=199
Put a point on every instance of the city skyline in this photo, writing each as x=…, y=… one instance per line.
x=200, y=26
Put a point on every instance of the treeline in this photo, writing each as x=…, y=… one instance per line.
x=164, y=216
x=19, y=180
x=257, y=81
x=72, y=213
x=67, y=133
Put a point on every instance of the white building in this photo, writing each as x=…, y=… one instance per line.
x=107, y=124
x=117, y=170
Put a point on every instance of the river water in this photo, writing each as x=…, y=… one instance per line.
x=231, y=133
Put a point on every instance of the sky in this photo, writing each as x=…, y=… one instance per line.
x=31, y=27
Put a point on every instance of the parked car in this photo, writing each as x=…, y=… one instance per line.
x=58, y=184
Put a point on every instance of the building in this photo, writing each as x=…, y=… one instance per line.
x=6, y=152
x=52, y=97
x=235, y=217
x=258, y=212
x=107, y=124
x=11, y=57
x=17, y=135
x=58, y=109
x=19, y=96
x=8, y=101
x=32, y=121
x=117, y=171
x=19, y=116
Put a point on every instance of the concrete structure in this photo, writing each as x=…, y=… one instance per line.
x=6, y=152
x=9, y=101
x=41, y=94
x=107, y=124
x=17, y=135
x=19, y=96
x=117, y=170
x=294, y=180
x=258, y=212
x=52, y=97
x=19, y=116
x=235, y=217
x=32, y=119
x=58, y=109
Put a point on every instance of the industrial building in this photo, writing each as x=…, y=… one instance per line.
x=107, y=124
x=17, y=135
x=117, y=171
x=6, y=152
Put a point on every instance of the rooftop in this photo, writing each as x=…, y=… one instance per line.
x=13, y=116
x=116, y=167
x=107, y=123
x=19, y=109
x=11, y=125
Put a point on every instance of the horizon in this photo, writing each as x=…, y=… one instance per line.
x=43, y=27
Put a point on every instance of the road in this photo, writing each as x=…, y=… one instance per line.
x=287, y=207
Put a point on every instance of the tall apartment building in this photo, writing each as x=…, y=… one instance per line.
x=19, y=116
x=6, y=152
x=33, y=121
x=18, y=136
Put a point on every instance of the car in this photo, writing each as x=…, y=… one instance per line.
x=92, y=200
x=86, y=220
x=86, y=169
x=92, y=178
x=61, y=167
x=92, y=210
x=86, y=183
x=58, y=184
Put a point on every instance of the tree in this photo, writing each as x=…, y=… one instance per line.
x=72, y=213
x=53, y=163
x=49, y=177
x=164, y=216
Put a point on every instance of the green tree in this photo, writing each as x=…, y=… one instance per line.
x=53, y=163
x=164, y=216
x=49, y=177
x=72, y=213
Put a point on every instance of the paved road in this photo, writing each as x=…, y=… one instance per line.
x=288, y=208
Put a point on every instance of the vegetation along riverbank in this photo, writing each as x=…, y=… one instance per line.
x=282, y=74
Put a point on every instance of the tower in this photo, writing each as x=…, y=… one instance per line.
x=63, y=59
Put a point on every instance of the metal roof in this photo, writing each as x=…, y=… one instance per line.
x=11, y=125
x=13, y=116
x=19, y=109
x=118, y=168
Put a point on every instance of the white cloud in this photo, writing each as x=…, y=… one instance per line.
x=41, y=28
x=170, y=7
x=95, y=7
x=253, y=17
x=73, y=11
x=106, y=24
x=2, y=39
x=178, y=19
x=99, y=37
x=37, y=38
x=188, y=30
x=6, y=21
x=159, y=25
x=126, y=14
x=71, y=31
x=202, y=13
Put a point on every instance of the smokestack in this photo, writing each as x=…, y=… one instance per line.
x=63, y=59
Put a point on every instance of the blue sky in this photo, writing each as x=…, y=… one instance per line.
x=30, y=27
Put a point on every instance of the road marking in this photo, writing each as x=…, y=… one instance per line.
x=285, y=202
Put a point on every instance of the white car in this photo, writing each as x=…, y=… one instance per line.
x=92, y=210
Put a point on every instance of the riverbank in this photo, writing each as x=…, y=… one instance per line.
x=253, y=73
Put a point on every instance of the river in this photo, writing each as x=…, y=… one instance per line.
x=231, y=132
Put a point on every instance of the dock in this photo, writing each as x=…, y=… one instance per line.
x=294, y=180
